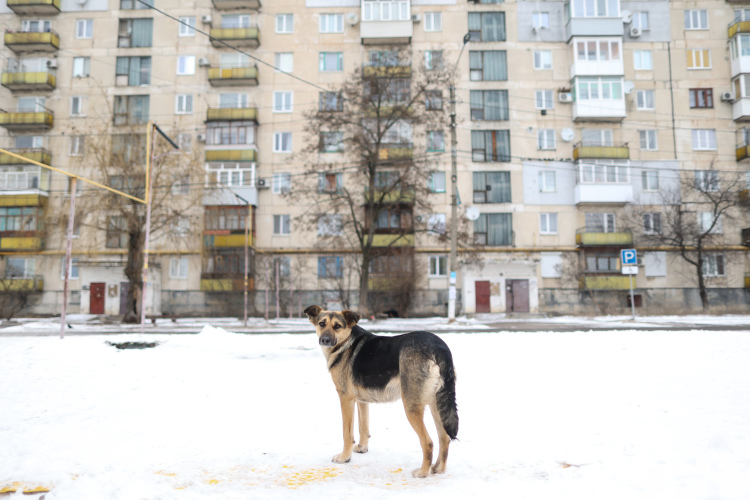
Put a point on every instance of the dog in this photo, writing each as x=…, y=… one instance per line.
x=415, y=367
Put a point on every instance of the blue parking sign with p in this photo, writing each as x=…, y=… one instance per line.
x=629, y=257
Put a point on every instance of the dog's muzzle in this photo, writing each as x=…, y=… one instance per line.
x=327, y=340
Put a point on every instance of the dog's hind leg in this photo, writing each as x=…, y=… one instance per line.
x=347, y=415
x=443, y=439
x=363, y=413
x=415, y=414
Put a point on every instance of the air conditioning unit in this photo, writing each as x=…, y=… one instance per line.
x=52, y=64
x=203, y=62
x=635, y=32
x=415, y=18
x=263, y=184
x=207, y=19
x=565, y=97
x=201, y=137
x=727, y=96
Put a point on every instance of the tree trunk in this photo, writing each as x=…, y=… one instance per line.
x=364, y=306
x=134, y=273
x=702, y=292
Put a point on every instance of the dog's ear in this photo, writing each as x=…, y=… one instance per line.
x=312, y=313
x=351, y=318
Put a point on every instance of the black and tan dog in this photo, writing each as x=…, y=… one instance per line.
x=416, y=367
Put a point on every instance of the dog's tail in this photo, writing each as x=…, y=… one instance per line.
x=446, y=395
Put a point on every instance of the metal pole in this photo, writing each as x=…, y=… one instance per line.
x=247, y=250
x=68, y=251
x=278, y=312
x=632, y=301
x=454, y=207
x=149, y=185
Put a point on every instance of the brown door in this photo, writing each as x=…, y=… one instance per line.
x=96, y=298
x=517, y=296
x=482, y=289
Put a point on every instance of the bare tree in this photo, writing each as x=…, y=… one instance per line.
x=16, y=292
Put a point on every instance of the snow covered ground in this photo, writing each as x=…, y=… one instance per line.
x=575, y=415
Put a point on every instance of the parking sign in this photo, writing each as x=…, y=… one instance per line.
x=629, y=257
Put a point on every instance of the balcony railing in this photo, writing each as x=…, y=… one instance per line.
x=28, y=80
x=13, y=284
x=225, y=240
x=740, y=24
x=396, y=151
x=236, y=4
x=394, y=196
x=598, y=238
x=231, y=114
x=387, y=71
x=40, y=155
x=22, y=243
x=600, y=152
x=32, y=41
x=239, y=37
x=605, y=282
x=230, y=155
x=393, y=240
x=222, y=77
x=25, y=7
x=41, y=120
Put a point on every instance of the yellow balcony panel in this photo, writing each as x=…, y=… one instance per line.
x=40, y=155
x=387, y=71
x=238, y=37
x=742, y=153
x=393, y=240
x=42, y=120
x=606, y=282
x=23, y=200
x=738, y=27
x=581, y=152
x=224, y=77
x=236, y=4
x=394, y=196
x=747, y=281
x=225, y=240
x=745, y=196
x=230, y=155
x=30, y=41
x=37, y=80
x=217, y=285
x=603, y=239
x=401, y=152
x=231, y=114
x=26, y=7
x=19, y=243
x=15, y=284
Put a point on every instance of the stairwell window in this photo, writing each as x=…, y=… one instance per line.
x=489, y=105
x=284, y=23
x=542, y=59
x=488, y=65
x=490, y=145
x=433, y=21
x=331, y=23
x=84, y=28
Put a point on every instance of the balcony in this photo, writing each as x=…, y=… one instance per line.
x=743, y=144
x=35, y=284
x=20, y=121
x=236, y=4
x=40, y=81
x=744, y=195
x=231, y=114
x=33, y=7
x=592, y=238
x=396, y=151
x=741, y=109
x=224, y=239
x=599, y=110
x=238, y=37
x=22, y=243
x=395, y=196
x=230, y=155
x=747, y=280
x=30, y=41
x=387, y=71
x=225, y=284
x=612, y=282
x=393, y=240
x=594, y=26
x=386, y=22
x=40, y=155
x=593, y=152
x=605, y=67
x=739, y=25
x=23, y=200
x=225, y=77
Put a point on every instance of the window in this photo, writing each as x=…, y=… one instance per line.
x=19, y=268
x=185, y=65
x=542, y=59
x=282, y=183
x=488, y=65
x=704, y=139
x=283, y=264
x=436, y=224
x=387, y=58
x=135, y=4
x=545, y=139
x=234, y=60
x=84, y=28
x=331, y=142
x=128, y=149
x=226, y=218
x=433, y=21
x=330, y=225
x=21, y=178
x=587, y=89
x=644, y=99
x=394, y=264
x=642, y=60
x=133, y=71
x=331, y=23
x=591, y=8
x=696, y=19
x=540, y=20
x=284, y=23
x=438, y=266
x=29, y=141
x=652, y=223
x=741, y=14
x=489, y=105
x=78, y=106
x=648, y=140
x=433, y=59
x=135, y=33
x=21, y=219
x=494, y=230
x=131, y=109
x=548, y=223
x=435, y=140
x=602, y=263
x=547, y=181
x=187, y=26
x=393, y=218
x=282, y=142
x=385, y=10
x=330, y=183
x=598, y=50
x=596, y=137
x=490, y=145
x=603, y=174
x=282, y=101
x=491, y=187
x=640, y=20
x=284, y=61
x=650, y=180
x=81, y=67
x=230, y=132
x=698, y=58
x=117, y=236
x=178, y=268
x=35, y=26
x=437, y=182
x=183, y=104
x=713, y=265
x=330, y=101
x=600, y=222
x=76, y=145
x=544, y=99
x=701, y=98
x=281, y=225
x=434, y=99
x=331, y=61
x=487, y=26
x=181, y=184
x=232, y=101
x=73, y=268
x=709, y=223
x=235, y=21
x=330, y=267
x=743, y=41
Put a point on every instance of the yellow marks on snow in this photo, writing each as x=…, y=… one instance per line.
x=164, y=473
x=25, y=488
x=396, y=471
x=307, y=476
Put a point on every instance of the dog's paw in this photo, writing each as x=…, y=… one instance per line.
x=438, y=469
x=418, y=473
x=341, y=458
x=360, y=449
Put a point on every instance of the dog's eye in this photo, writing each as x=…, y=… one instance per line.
x=336, y=326
x=322, y=323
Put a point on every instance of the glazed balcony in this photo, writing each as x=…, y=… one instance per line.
x=39, y=81
x=746, y=237
x=31, y=41
x=34, y=7
x=231, y=114
x=236, y=4
x=386, y=22
x=739, y=25
x=32, y=120
x=35, y=283
x=387, y=71
x=238, y=37
x=396, y=151
x=225, y=77
x=40, y=155
x=230, y=155
x=592, y=238
x=583, y=151
x=612, y=282
x=747, y=280
x=743, y=144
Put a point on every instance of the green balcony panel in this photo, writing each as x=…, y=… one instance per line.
x=26, y=7
x=231, y=114
x=606, y=282
x=238, y=37
x=38, y=155
x=601, y=152
x=37, y=80
x=393, y=240
x=230, y=155
x=22, y=42
x=224, y=77
x=41, y=120
x=604, y=239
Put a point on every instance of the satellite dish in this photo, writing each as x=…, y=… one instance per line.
x=472, y=213
x=628, y=87
x=627, y=16
x=352, y=18
x=567, y=134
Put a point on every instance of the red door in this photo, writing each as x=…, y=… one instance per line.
x=482, y=289
x=96, y=298
x=517, y=296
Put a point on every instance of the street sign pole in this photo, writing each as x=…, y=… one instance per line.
x=629, y=266
x=632, y=300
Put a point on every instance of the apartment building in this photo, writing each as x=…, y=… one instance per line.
x=570, y=113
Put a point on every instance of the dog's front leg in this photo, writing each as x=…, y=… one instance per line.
x=347, y=415
x=363, y=412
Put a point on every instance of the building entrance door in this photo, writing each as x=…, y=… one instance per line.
x=482, y=289
x=517, y=296
x=96, y=298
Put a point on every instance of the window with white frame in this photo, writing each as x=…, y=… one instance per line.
x=644, y=99
x=548, y=223
x=78, y=106
x=282, y=142
x=282, y=101
x=84, y=28
x=73, y=268
x=235, y=21
x=76, y=145
x=704, y=139
x=433, y=21
x=436, y=224
x=652, y=223
x=546, y=139
x=696, y=19
x=604, y=88
x=17, y=267
x=233, y=100
x=282, y=183
x=597, y=137
x=599, y=222
x=231, y=174
x=385, y=10
x=183, y=104
x=598, y=50
x=698, y=58
x=331, y=23
x=540, y=20
x=281, y=225
x=438, y=266
x=234, y=60
x=81, y=67
x=437, y=182
x=640, y=20
x=707, y=180
x=642, y=60
x=650, y=180
x=603, y=174
x=713, y=265
x=710, y=223
x=542, y=59
x=185, y=65
x=331, y=61
x=544, y=99
x=187, y=26
x=330, y=225
x=648, y=140
x=547, y=181
x=591, y=8
x=284, y=61
x=435, y=140
x=178, y=268
x=35, y=26
x=284, y=23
